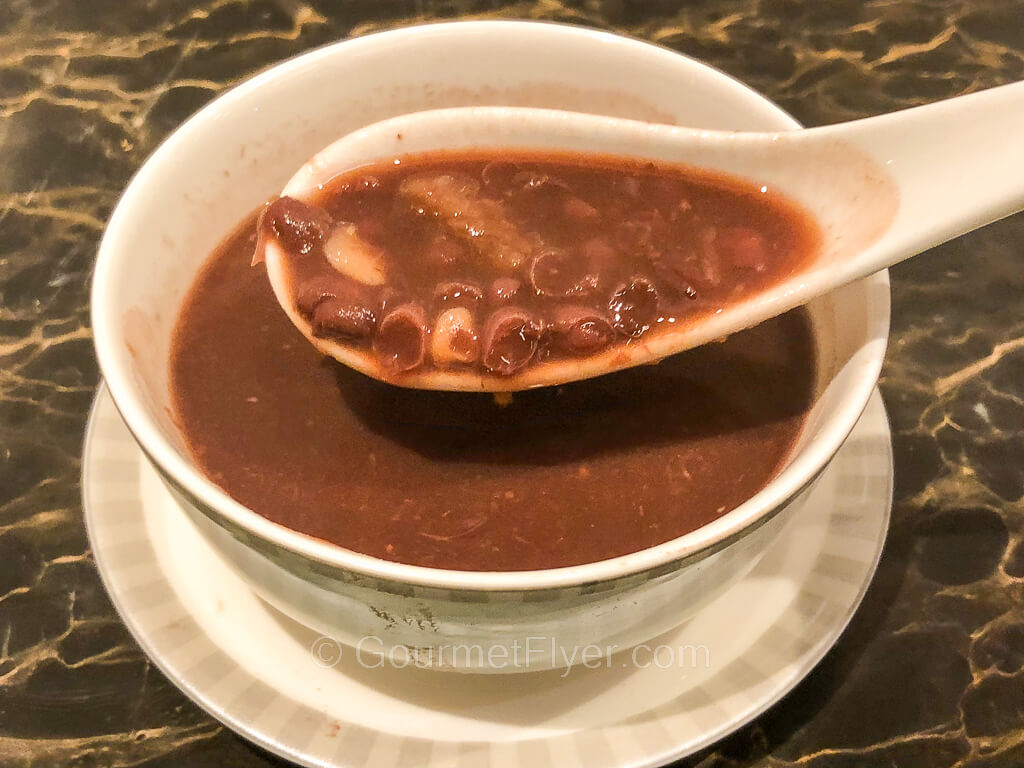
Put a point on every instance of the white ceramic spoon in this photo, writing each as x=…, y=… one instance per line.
x=882, y=190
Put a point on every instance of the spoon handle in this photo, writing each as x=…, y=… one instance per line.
x=958, y=165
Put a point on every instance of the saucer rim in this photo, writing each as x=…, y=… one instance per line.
x=810, y=657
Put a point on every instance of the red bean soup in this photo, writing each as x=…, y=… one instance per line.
x=467, y=262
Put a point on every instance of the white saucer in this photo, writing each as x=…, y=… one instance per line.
x=252, y=668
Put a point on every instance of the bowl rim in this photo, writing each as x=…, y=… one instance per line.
x=696, y=544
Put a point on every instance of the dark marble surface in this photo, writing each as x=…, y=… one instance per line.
x=930, y=671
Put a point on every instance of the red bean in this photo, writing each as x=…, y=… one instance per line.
x=337, y=307
x=561, y=274
x=445, y=250
x=634, y=307
x=401, y=340
x=311, y=294
x=676, y=271
x=336, y=317
x=503, y=290
x=298, y=226
x=458, y=293
x=510, y=340
x=579, y=330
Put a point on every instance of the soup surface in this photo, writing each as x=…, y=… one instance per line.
x=461, y=262
x=550, y=477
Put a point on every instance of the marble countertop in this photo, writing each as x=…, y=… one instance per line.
x=928, y=674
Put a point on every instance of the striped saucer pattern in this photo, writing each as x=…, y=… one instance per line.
x=252, y=668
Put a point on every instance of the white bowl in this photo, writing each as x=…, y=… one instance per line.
x=241, y=149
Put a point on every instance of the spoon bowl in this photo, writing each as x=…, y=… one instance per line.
x=880, y=189
x=174, y=213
